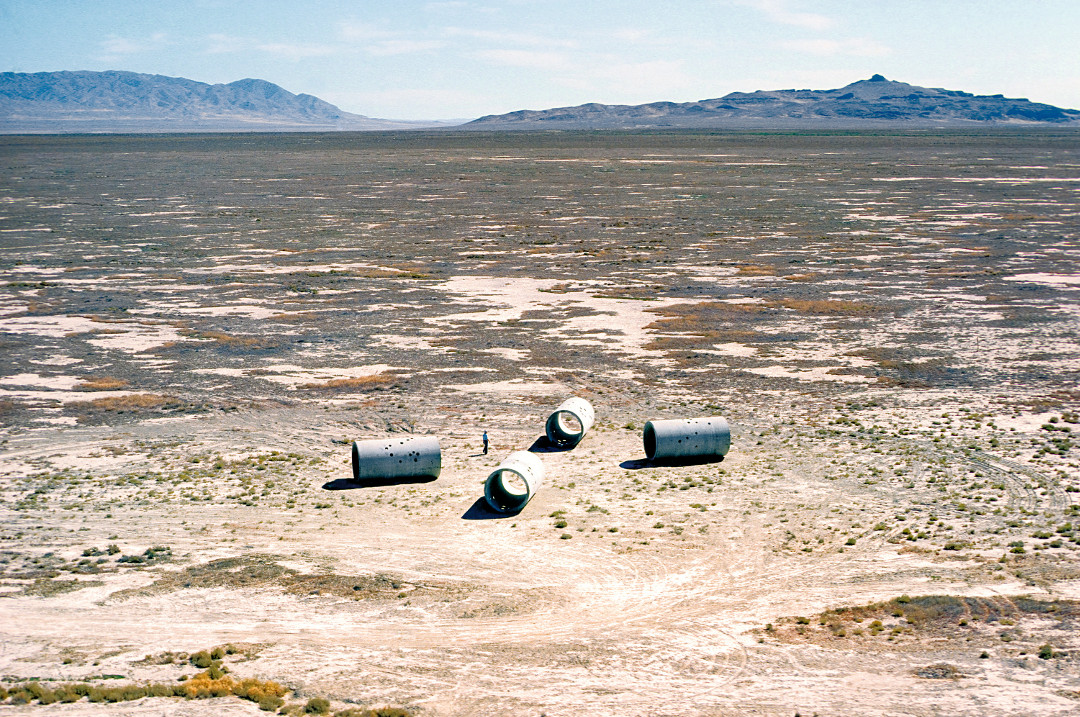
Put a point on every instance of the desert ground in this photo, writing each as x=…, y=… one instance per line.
x=193, y=329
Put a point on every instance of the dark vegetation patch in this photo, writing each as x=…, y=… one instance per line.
x=939, y=671
x=100, y=410
x=264, y=572
x=930, y=616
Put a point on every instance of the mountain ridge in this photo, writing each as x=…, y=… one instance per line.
x=116, y=100
x=875, y=102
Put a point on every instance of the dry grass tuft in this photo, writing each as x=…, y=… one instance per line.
x=133, y=402
x=811, y=277
x=757, y=270
x=375, y=382
x=101, y=383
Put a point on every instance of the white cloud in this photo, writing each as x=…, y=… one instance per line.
x=362, y=31
x=401, y=47
x=533, y=59
x=115, y=46
x=856, y=46
x=295, y=52
x=506, y=38
x=629, y=34
x=219, y=44
x=780, y=11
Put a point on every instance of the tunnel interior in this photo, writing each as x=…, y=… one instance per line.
x=565, y=428
x=506, y=490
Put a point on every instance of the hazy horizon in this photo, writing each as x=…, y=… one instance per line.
x=462, y=59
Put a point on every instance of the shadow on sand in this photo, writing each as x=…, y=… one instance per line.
x=543, y=445
x=350, y=484
x=639, y=463
x=480, y=510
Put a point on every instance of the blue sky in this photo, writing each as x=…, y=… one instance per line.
x=465, y=58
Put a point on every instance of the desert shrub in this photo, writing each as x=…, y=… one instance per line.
x=268, y=695
x=116, y=694
x=940, y=671
x=317, y=706
x=1046, y=652
x=20, y=696
x=132, y=692
x=67, y=694
x=217, y=653
x=41, y=693
x=202, y=687
x=269, y=703
x=201, y=659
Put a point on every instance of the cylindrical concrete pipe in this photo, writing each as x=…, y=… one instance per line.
x=570, y=422
x=513, y=483
x=687, y=438
x=396, y=458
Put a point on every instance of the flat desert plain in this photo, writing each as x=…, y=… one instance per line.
x=194, y=328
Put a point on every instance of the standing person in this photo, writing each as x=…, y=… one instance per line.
x=485, y=443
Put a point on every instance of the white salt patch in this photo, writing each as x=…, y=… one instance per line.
x=508, y=354
x=288, y=269
x=57, y=361
x=34, y=269
x=291, y=376
x=63, y=383
x=396, y=341
x=1051, y=279
x=818, y=373
x=62, y=396
x=515, y=385
x=734, y=349
x=58, y=420
x=12, y=308
x=622, y=321
x=141, y=338
x=52, y=326
x=255, y=312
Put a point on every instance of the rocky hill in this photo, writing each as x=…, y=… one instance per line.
x=132, y=102
x=876, y=102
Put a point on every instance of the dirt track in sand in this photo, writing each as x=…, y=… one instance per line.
x=890, y=379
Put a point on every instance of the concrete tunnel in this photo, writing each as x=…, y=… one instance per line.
x=570, y=422
x=514, y=482
x=396, y=458
x=687, y=438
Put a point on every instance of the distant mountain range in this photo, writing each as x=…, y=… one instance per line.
x=64, y=102
x=876, y=102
